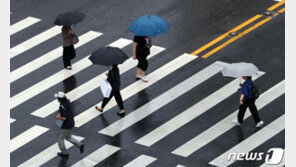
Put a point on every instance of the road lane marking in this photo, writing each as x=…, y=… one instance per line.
x=12, y=120
x=97, y=156
x=162, y=100
x=276, y=5
x=236, y=37
x=226, y=124
x=226, y=34
x=252, y=142
x=48, y=57
x=26, y=137
x=141, y=161
x=25, y=23
x=50, y=81
x=34, y=41
x=47, y=154
x=180, y=166
x=282, y=10
x=191, y=113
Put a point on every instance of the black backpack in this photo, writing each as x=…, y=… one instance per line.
x=255, y=91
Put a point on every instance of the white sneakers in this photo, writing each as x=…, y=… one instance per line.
x=143, y=78
x=69, y=68
x=235, y=121
x=259, y=124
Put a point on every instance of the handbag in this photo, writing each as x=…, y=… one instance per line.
x=106, y=88
x=75, y=39
x=59, y=123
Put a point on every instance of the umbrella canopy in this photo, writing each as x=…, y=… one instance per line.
x=107, y=56
x=149, y=25
x=69, y=18
x=239, y=69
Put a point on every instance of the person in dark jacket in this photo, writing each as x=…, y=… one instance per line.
x=68, y=47
x=141, y=50
x=65, y=114
x=114, y=80
x=246, y=100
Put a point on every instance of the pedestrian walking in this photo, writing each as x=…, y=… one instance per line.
x=114, y=80
x=69, y=39
x=247, y=99
x=65, y=116
x=141, y=50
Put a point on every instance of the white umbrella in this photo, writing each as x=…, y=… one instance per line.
x=239, y=70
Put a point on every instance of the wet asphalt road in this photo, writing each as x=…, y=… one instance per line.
x=193, y=24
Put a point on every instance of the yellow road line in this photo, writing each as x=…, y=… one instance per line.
x=236, y=37
x=282, y=10
x=225, y=35
x=276, y=5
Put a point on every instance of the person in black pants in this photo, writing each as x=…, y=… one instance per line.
x=141, y=50
x=246, y=100
x=114, y=80
x=68, y=47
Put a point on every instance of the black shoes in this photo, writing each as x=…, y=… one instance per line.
x=98, y=109
x=81, y=148
x=62, y=155
x=121, y=114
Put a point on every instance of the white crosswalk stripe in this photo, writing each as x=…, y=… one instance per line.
x=226, y=124
x=141, y=161
x=162, y=100
x=251, y=142
x=190, y=114
x=49, y=82
x=136, y=87
x=49, y=57
x=25, y=23
x=12, y=120
x=26, y=137
x=34, y=41
x=97, y=156
x=180, y=166
x=47, y=154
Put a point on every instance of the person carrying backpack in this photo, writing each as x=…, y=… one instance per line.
x=249, y=94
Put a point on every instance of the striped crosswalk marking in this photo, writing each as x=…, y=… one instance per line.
x=226, y=124
x=141, y=161
x=282, y=163
x=136, y=87
x=191, y=113
x=48, y=57
x=25, y=23
x=49, y=82
x=162, y=100
x=97, y=156
x=47, y=154
x=251, y=142
x=12, y=120
x=34, y=41
x=26, y=137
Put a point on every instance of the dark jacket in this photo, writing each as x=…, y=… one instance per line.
x=114, y=78
x=66, y=111
x=247, y=89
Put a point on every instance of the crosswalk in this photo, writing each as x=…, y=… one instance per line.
x=113, y=130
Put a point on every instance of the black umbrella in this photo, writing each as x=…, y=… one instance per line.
x=69, y=18
x=107, y=56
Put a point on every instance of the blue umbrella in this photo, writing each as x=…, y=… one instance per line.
x=149, y=25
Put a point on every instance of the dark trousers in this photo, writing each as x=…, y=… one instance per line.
x=68, y=54
x=142, y=62
x=118, y=99
x=253, y=109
